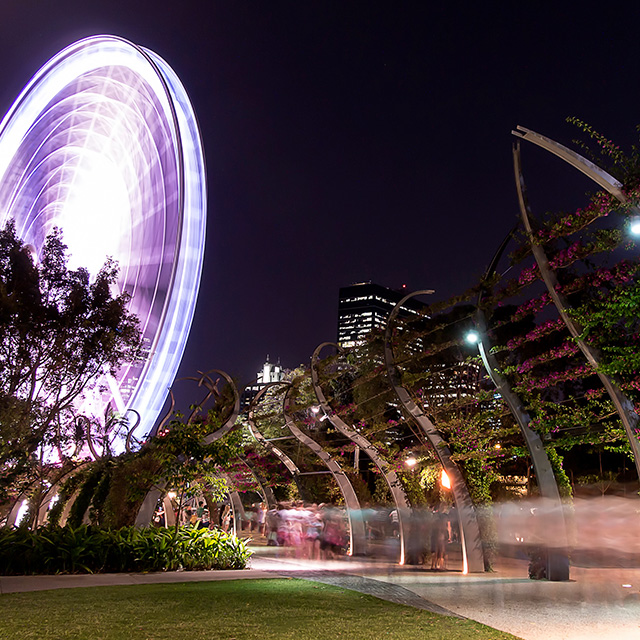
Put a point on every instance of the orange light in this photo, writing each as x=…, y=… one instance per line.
x=444, y=480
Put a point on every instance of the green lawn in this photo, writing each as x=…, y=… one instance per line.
x=229, y=610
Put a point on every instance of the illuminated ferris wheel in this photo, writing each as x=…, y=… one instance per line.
x=103, y=143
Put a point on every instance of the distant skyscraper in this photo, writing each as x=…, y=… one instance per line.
x=364, y=307
x=270, y=373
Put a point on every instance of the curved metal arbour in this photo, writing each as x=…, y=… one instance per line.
x=398, y=495
x=472, y=553
x=103, y=143
x=623, y=405
x=150, y=502
x=357, y=535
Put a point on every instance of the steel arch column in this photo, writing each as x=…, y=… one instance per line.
x=624, y=406
x=558, y=560
x=265, y=489
x=237, y=508
x=357, y=535
x=255, y=432
x=46, y=499
x=472, y=554
x=398, y=494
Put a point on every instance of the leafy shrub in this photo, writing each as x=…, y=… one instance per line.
x=133, y=476
x=83, y=500
x=68, y=488
x=87, y=549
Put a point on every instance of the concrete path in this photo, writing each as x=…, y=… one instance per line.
x=18, y=584
x=602, y=604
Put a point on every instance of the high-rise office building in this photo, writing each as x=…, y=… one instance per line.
x=270, y=373
x=365, y=306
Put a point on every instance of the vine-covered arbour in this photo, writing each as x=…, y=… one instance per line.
x=558, y=325
x=398, y=494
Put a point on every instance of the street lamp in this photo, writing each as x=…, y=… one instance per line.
x=472, y=337
x=634, y=226
x=411, y=461
x=557, y=562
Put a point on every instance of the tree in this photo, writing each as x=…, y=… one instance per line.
x=59, y=330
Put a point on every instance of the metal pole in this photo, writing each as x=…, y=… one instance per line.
x=557, y=559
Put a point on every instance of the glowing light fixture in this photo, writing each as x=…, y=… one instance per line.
x=103, y=143
x=472, y=337
x=444, y=480
x=634, y=226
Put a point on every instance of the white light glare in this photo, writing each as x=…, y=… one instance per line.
x=95, y=214
x=22, y=512
x=634, y=226
x=472, y=337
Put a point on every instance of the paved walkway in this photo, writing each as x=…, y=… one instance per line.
x=18, y=584
x=602, y=604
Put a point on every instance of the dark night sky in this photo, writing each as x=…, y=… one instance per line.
x=351, y=141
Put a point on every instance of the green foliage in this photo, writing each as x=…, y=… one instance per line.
x=131, y=478
x=87, y=549
x=479, y=477
x=381, y=493
x=609, y=155
x=359, y=486
x=112, y=489
x=67, y=490
x=184, y=457
x=83, y=500
x=564, y=484
x=413, y=488
x=610, y=322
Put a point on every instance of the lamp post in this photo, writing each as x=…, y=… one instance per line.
x=557, y=557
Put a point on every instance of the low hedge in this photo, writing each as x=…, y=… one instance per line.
x=88, y=549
